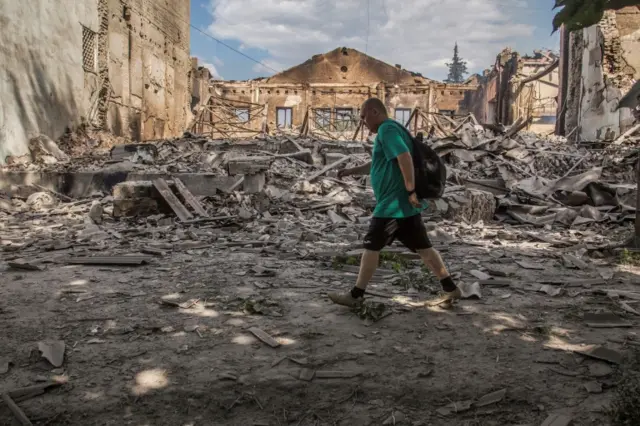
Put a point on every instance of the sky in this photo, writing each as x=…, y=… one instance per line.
x=418, y=34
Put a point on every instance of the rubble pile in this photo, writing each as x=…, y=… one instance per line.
x=509, y=174
x=536, y=180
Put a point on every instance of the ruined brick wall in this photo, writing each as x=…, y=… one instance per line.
x=346, y=66
x=604, y=60
x=44, y=69
x=342, y=79
x=304, y=98
x=149, y=68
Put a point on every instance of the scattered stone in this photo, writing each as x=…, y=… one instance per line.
x=326, y=374
x=23, y=265
x=41, y=200
x=602, y=353
x=307, y=374
x=470, y=291
x=396, y=418
x=455, y=407
x=45, y=151
x=4, y=365
x=528, y=265
x=264, y=337
x=492, y=398
x=53, y=352
x=95, y=212
x=557, y=420
x=480, y=275
x=599, y=370
x=470, y=205
x=593, y=387
x=605, y=320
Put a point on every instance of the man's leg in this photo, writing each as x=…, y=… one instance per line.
x=381, y=232
x=413, y=234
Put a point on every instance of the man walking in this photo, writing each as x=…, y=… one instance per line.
x=398, y=211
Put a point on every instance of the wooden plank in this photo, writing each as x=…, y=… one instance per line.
x=189, y=198
x=179, y=209
x=557, y=420
x=329, y=167
x=264, y=337
x=108, y=260
x=22, y=393
x=626, y=134
x=17, y=412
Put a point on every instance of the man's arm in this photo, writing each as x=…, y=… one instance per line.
x=406, y=167
x=365, y=169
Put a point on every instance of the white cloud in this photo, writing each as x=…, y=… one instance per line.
x=267, y=67
x=218, y=62
x=212, y=69
x=419, y=35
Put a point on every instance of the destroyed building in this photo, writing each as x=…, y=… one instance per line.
x=122, y=66
x=323, y=95
x=517, y=87
x=598, y=66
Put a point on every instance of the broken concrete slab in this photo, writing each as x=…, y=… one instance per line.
x=108, y=260
x=593, y=387
x=254, y=183
x=179, y=209
x=189, y=198
x=264, y=337
x=470, y=290
x=246, y=166
x=492, y=398
x=23, y=265
x=604, y=320
x=53, y=352
x=601, y=353
x=557, y=420
x=132, y=207
x=143, y=153
x=598, y=369
x=336, y=374
x=96, y=211
x=470, y=205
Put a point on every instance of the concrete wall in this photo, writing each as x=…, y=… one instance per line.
x=303, y=98
x=604, y=60
x=121, y=65
x=42, y=79
x=149, y=68
x=340, y=79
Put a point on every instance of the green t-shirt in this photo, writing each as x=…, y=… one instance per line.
x=392, y=200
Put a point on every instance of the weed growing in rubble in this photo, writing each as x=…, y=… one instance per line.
x=625, y=408
x=339, y=261
x=369, y=310
x=629, y=258
x=393, y=261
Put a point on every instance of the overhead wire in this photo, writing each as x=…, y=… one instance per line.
x=366, y=46
x=325, y=92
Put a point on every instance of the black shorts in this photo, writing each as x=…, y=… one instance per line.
x=410, y=231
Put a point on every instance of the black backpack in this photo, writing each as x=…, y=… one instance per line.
x=430, y=173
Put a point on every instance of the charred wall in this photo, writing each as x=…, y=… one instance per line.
x=604, y=61
x=149, y=68
x=48, y=71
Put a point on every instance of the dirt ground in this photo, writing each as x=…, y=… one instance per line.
x=131, y=360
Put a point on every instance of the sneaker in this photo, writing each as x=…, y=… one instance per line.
x=446, y=299
x=344, y=299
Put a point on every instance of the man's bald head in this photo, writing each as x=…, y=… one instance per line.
x=375, y=104
x=373, y=113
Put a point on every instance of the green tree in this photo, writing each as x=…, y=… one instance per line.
x=578, y=14
x=457, y=68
